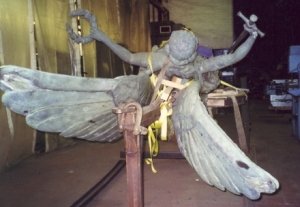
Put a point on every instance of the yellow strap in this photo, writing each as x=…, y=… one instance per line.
x=228, y=85
x=153, y=144
x=153, y=77
x=231, y=86
x=163, y=43
x=235, y=88
x=149, y=60
x=165, y=111
x=161, y=125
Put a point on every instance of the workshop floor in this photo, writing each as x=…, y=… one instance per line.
x=59, y=178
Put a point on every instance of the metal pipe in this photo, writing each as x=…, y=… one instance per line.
x=95, y=190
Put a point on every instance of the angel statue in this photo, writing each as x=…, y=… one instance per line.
x=82, y=107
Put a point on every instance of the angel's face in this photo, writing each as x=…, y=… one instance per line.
x=182, y=47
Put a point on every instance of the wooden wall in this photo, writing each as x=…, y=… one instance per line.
x=126, y=21
x=210, y=20
x=15, y=144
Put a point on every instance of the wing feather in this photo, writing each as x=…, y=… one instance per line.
x=99, y=130
x=85, y=120
x=20, y=78
x=209, y=150
x=94, y=127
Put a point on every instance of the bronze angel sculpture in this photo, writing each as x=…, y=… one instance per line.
x=82, y=107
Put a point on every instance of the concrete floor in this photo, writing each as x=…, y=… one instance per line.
x=59, y=178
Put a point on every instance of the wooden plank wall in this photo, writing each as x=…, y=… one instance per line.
x=15, y=144
x=126, y=21
x=210, y=20
x=53, y=50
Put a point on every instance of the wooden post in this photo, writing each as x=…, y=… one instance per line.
x=75, y=54
x=239, y=125
x=33, y=60
x=133, y=145
x=129, y=122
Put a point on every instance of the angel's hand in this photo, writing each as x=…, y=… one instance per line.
x=250, y=25
x=252, y=30
x=95, y=32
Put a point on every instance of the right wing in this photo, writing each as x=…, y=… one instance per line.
x=72, y=106
x=85, y=115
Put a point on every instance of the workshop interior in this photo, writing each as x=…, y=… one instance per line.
x=149, y=103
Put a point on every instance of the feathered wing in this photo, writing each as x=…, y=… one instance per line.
x=72, y=106
x=209, y=150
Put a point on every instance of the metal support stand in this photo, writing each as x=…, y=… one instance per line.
x=130, y=117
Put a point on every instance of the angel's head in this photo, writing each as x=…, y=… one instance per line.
x=182, y=47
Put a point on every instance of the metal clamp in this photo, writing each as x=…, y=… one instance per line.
x=132, y=107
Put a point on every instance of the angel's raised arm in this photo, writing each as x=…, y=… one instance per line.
x=139, y=59
x=222, y=61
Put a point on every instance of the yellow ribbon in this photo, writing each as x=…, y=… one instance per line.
x=153, y=144
x=228, y=85
x=235, y=88
x=163, y=43
x=165, y=111
x=149, y=60
x=159, y=126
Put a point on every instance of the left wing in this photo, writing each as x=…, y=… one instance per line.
x=209, y=150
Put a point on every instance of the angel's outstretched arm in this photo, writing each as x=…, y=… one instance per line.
x=219, y=62
x=139, y=59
